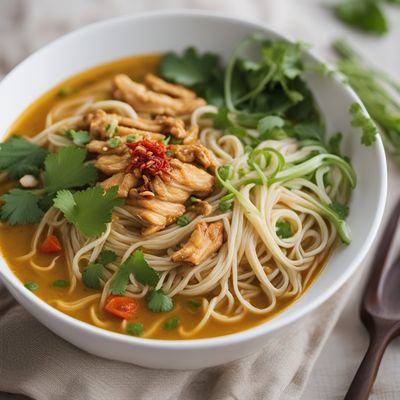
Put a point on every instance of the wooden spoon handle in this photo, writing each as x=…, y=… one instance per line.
x=366, y=374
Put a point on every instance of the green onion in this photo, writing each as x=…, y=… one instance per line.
x=130, y=138
x=112, y=127
x=32, y=286
x=113, y=142
x=65, y=91
x=60, y=283
x=170, y=153
x=194, y=199
x=183, y=220
x=167, y=140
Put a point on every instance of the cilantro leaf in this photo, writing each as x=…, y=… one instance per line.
x=312, y=130
x=89, y=210
x=334, y=144
x=269, y=122
x=106, y=257
x=20, y=157
x=203, y=73
x=340, y=209
x=361, y=120
x=80, y=138
x=137, y=265
x=92, y=274
x=135, y=328
x=159, y=301
x=190, y=68
x=65, y=169
x=283, y=229
x=365, y=15
x=171, y=324
x=20, y=207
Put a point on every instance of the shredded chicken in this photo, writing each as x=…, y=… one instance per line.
x=113, y=164
x=182, y=181
x=103, y=125
x=205, y=240
x=160, y=86
x=202, y=207
x=194, y=153
x=145, y=100
x=125, y=183
x=102, y=147
x=153, y=213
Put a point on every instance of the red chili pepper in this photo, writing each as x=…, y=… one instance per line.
x=121, y=306
x=149, y=157
x=51, y=245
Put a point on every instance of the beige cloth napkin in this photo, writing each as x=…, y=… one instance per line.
x=35, y=362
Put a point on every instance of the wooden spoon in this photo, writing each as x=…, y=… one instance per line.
x=380, y=311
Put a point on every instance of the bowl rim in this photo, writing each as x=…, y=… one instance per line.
x=257, y=331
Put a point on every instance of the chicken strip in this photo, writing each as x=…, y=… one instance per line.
x=147, y=101
x=188, y=153
x=113, y=164
x=205, y=240
x=160, y=86
x=125, y=183
x=153, y=213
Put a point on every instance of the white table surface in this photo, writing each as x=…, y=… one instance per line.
x=26, y=25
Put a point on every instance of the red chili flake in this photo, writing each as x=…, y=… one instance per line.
x=149, y=157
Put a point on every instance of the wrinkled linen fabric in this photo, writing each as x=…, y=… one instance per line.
x=38, y=364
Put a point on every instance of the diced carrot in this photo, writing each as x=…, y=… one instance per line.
x=121, y=306
x=51, y=245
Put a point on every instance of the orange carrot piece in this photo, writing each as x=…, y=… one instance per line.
x=51, y=245
x=121, y=306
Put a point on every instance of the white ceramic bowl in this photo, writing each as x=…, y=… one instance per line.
x=160, y=32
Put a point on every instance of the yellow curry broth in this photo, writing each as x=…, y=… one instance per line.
x=15, y=241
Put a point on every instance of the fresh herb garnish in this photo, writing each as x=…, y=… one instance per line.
x=92, y=274
x=159, y=301
x=20, y=157
x=21, y=207
x=136, y=265
x=80, y=138
x=171, y=324
x=194, y=199
x=112, y=128
x=361, y=119
x=32, y=286
x=89, y=210
x=130, y=138
x=226, y=202
x=65, y=169
x=166, y=140
x=176, y=141
x=194, y=304
x=113, y=142
x=60, y=283
x=366, y=15
x=183, y=220
x=202, y=72
x=135, y=328
x=170, y=153
x=283, y=229
x=106, y=257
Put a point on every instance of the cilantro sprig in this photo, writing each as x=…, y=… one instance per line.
x=92, y=274
x=19, y=157
x=89, y=210
x=65, y=169
x=137, y=265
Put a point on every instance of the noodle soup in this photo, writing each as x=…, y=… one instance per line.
x=170, y=197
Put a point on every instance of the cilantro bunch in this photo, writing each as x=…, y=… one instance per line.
x=62, y=174
x=379, y=94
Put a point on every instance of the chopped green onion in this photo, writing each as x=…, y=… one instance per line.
x=182, y=220
x=32, y=286
x=194, y=199
x=112, y=127
x=170, y=153
x=167, y=140
x=113, y=142
x=176, y=141
x=130, y=138
x=60, y=283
